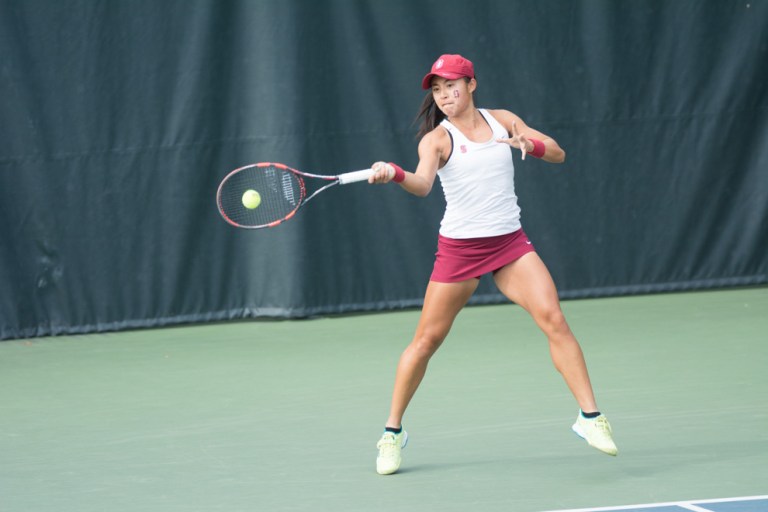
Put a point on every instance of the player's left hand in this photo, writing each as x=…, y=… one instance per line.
x=518, y=140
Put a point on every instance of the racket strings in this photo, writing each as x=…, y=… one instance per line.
x=280, y=191
x=289, y=188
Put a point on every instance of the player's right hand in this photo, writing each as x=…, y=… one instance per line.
x=382, y=173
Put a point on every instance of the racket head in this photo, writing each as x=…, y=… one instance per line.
x=281, y=191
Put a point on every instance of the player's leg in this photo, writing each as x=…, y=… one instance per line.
x=442, y=303
x=528, y=283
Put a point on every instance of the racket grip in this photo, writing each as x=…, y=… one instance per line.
x=354, y=176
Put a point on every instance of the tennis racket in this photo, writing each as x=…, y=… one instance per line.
x=266, y=194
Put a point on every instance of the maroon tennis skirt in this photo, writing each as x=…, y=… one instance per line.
x=458, y=260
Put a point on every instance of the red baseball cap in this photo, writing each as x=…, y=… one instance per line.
x=450, y=67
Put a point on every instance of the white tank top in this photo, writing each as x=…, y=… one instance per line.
x=479, y=185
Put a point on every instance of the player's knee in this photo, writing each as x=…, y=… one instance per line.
x=552, y=321
x=426, y=344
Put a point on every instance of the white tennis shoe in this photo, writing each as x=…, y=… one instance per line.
x=597, y=432
x=390, y=446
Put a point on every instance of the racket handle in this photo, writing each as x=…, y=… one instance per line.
x=352, y=177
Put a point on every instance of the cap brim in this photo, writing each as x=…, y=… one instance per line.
x=427, y=82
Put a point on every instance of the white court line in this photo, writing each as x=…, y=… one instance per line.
x=691, y=506
x=687, y=504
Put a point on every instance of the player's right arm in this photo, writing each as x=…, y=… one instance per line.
x=433, y=150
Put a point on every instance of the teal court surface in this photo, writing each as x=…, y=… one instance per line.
x=284, y=415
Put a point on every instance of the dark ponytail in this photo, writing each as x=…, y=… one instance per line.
x=432, y=116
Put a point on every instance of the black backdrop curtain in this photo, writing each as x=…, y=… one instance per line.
x=120, y=118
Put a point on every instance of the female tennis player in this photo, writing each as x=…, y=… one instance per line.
x=469, y=149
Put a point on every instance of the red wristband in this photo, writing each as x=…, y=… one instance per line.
x=538, y=148
x=399, y=173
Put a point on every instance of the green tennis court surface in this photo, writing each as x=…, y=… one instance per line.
x=285, y=415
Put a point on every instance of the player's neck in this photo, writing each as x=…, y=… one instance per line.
x=469, y=119
x=472, y=124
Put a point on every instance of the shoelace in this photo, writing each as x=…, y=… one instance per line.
x=602, y=424
x=387, y=444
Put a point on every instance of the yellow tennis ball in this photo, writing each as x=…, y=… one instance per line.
x=251, y=199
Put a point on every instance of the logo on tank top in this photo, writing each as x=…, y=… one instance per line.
x=463, y=148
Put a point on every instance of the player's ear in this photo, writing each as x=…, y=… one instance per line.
x=472, y=85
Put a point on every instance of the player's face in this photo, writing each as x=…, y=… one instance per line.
x=452, y=96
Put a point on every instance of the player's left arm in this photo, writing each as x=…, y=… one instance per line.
x=521, y=136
